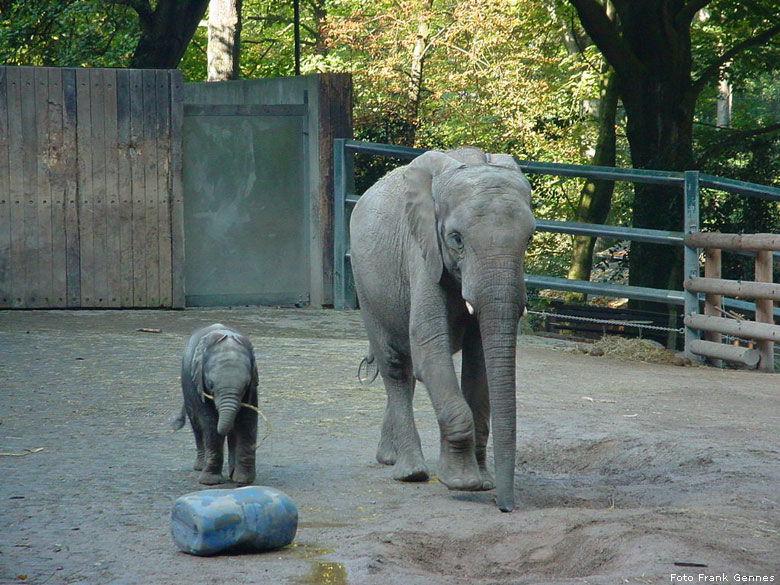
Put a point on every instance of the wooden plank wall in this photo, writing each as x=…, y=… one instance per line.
x=90, y=188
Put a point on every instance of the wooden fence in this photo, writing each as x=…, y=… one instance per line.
x=716, y=321
x=90, y=188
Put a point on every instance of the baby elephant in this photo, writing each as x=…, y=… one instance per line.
x=218, y=373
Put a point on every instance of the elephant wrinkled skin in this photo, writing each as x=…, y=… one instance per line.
x=437, y=252
x=218, y=373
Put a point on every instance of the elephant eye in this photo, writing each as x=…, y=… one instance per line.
x=455, y=240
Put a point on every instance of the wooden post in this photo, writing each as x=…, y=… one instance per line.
x=335, y=121
x=712, y=302
x=764, y=310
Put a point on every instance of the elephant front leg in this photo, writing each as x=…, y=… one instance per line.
x=213, y=447
x=242, y=448
x=457, y=468
x=200, y=456
x=475, y=391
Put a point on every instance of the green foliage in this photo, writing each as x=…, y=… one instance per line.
x=495, y=74
x=267, y=41
x=67, y=33
x=743, y=150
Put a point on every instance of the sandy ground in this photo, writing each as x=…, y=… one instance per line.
x=626, y=472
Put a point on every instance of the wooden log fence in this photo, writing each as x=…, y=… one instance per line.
x=723, y=351
x=763, y=290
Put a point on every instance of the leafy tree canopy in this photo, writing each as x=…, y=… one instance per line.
x=518, y=76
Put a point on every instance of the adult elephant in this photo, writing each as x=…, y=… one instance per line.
x=437, y=252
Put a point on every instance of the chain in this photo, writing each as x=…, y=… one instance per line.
x=608, y=321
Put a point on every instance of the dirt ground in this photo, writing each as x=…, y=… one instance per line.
x=626, y=472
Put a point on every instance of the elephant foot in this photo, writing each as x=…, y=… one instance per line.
x=243, y=476
x=209, y=478
x=488, y=483
x=458, y=470
x=385, y=453
x=411, y=469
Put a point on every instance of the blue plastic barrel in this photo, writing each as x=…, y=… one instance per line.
x=247, y=519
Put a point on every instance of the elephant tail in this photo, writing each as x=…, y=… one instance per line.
x=368, y=369
x=177, y=421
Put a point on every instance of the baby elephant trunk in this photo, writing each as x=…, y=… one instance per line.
x=228, y=402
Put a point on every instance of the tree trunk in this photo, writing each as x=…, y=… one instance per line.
x=660, y=132
x=596, y=195
x=651, y=54
x=224, y=39
x=414, y=88
x=724, y=103
x=165, y=31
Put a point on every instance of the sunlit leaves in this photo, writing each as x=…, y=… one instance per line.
x=67, y=33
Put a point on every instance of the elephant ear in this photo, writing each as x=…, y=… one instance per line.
x=503, y=160
x=197, y=367
x=253, y=366
x=469, y=155
x=507, y=161
x=420, y=206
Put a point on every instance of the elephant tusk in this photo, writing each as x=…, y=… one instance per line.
x=469, y=308
x=525, y=312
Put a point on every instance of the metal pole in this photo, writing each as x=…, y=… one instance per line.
x=297, y=32
x=339, y=224
x=691, y=255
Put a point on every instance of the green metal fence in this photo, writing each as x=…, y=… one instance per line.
x=690, y=183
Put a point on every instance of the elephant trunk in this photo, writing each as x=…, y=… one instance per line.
x=498, y=318
x=227, y=402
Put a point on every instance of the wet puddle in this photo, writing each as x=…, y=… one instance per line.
x=325, y=573
x=307, y=550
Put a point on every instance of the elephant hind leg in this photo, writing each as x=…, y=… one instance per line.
x=399, y=444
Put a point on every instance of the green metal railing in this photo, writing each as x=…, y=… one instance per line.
x=690, y=183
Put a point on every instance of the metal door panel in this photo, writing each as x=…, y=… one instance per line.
x=245, y=216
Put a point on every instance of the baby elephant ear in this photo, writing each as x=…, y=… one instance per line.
x=254, y=382
x=197, y=367
x=420, y=208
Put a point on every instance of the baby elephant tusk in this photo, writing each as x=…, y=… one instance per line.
x=469, y=308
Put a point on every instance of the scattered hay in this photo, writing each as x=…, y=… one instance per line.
x=640, y=350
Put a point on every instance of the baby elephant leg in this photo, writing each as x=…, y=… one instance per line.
x=213, y=446
x=200, y=456
x=241, y=447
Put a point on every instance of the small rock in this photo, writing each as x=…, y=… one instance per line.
x=681, y=360
x=596, y=352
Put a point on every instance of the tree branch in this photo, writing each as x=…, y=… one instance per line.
x=737, y=136
x=685, y=16
x=605, y=34
x=142, y=7
x=712, y=70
